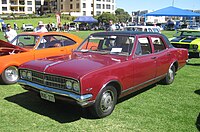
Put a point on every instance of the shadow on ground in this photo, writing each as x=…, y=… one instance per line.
x=193, y=64
x=197, y=91
x=60, y=111
x=198, y=122
x=136, y=93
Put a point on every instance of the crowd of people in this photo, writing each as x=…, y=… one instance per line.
x=10, y=33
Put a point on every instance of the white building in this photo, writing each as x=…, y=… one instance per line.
x=87, y=7
x=17, y=6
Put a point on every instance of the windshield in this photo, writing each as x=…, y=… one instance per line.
x=27, y=41
x=121, y=45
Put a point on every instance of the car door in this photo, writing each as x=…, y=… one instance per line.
x=52, y=46
x=144, y=62
x=162, y=55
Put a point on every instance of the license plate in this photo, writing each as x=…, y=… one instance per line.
x=47, y=96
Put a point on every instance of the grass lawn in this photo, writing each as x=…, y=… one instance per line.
x=158, y=108
x=34, y=21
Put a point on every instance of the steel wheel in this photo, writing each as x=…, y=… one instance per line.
x=10, y=75
x=107, y=101
x=170, y=76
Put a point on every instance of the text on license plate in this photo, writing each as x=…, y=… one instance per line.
x=47, y=96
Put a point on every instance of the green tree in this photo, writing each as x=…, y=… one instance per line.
x=106, y=17
x=122, y=15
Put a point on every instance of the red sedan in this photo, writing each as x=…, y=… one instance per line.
x=104, y=68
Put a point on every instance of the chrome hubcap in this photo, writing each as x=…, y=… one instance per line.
x=11, y=74
x=107, y=101
x=171, y=75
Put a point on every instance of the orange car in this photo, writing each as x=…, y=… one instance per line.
x=30, y=46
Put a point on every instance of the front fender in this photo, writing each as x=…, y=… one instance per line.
x=94, y=85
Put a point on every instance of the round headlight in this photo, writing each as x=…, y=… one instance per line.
x=68, y=84
x=76, y=87
x=29, y=75
x=23, y=74
x=195, y=46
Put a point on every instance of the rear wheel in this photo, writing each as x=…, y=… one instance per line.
x=105, y=102
x=169, y=79
x=10, y=75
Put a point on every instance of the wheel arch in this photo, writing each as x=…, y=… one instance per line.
x=116, y=84
x=175, y=63
x=8, y=65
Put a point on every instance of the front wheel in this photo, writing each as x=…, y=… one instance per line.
x=105, y=102
x=169, y=79
x=10, y=75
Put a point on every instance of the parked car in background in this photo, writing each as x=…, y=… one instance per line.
x=143, y=28
x=195, y=27
x=104, y=68
x=28, y=27
x=72, y=28
x=188, y=39
x=29, y=46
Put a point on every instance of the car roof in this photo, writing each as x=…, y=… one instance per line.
x=128, y=33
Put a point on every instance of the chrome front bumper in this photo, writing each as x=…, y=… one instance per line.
x=82, y=100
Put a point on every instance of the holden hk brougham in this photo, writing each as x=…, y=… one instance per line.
x=188, y=39
x=29, y=46
x=104, y=68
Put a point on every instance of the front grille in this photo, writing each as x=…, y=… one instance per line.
x=48, y=80
x=186, y=46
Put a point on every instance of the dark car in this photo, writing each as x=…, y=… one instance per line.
x=104, y=68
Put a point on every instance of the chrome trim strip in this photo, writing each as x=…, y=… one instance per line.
x=143, y=83
x=81, y=99
x=51, y=64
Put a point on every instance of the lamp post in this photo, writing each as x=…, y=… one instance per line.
x=93, y=8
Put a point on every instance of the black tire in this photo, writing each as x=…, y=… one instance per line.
x=105, y=102
x=169, y=79
x=9, y=75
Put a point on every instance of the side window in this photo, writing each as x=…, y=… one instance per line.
x=55, y=41
x=143, y=46
x=158, y=44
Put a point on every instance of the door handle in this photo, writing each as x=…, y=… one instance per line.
x=168, y=54
x=153, y=57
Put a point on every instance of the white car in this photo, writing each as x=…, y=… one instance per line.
x=143, y=28
x=28, y=27
x=72, y=28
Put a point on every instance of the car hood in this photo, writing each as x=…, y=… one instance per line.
x=184, y=39
x=4, y=44
x=75, y=65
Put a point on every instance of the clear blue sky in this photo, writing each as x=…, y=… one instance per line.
x=135, y=5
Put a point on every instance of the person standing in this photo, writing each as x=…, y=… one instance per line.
x=10, y=34
x=40, y=27
x=15, y=26
x=111, y=26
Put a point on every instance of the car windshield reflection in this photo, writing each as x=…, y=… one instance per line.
x=121, y=45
